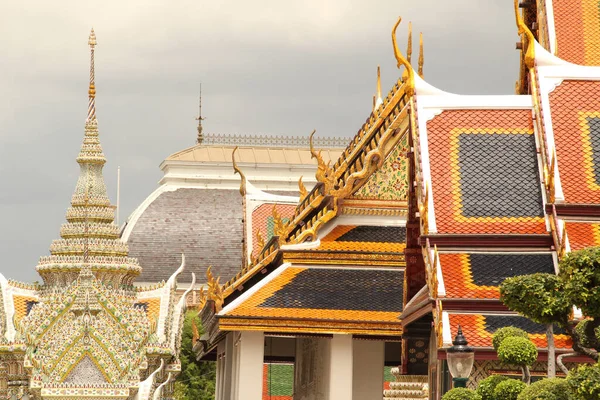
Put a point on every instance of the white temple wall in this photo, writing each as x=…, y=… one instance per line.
x=248, y=365
x=311, y=381
x=367, y=373
x=341, y=368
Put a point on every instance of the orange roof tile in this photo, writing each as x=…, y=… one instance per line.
x=575, y=106
x=479, y=329
x=484, y=172
x=577, y=27
x=582, y=235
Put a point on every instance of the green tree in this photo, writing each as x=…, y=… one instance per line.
x=585, y=382
x=197, y=378
x=509, y=389
x=547, y=389
x=535, y=296
x=486, y=387
x=520, y=352
x=577, y=284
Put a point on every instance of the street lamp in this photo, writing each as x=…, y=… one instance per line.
x=460, y=360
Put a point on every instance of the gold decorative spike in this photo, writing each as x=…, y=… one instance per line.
x=324, y=173
x=215, y=291
x=378, y=83
x=200, y=137
x=434, y=277
x=260, y=241
x=374, y=101
x=423, y=211
x=524, y=30
x=421, y=56
x=302, y=189
x=409, y=45
x=279, y=226
x=401, y=61
x=239, y=171
x=563, y=242
x=549, y=178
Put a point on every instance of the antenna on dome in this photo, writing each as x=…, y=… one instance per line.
x=200, y=137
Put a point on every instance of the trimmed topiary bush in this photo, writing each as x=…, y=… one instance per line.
x=461, y=394
x=547, y=389
x=486, y=387
x=585, y=382
x=508, y=331
x=509, y=389
x=517, y=351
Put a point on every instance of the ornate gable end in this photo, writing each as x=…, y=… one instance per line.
x=86, y=372
x=389, y=182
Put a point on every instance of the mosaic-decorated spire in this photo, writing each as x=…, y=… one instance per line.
x=89, y=238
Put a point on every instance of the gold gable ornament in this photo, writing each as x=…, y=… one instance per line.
x=302, y=189
x=215, y=291
x=324, y=172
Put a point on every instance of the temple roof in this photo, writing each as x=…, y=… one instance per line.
x=320, y=300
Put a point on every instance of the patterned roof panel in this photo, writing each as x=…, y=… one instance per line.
x=575, y=110
x=478, y=275
x=328, y=294
x=380, y=239
x=479, y=329
x=390, y=181
x=577, y=27
x=484, y=175
x=582, y=235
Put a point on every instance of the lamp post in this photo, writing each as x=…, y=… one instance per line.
x=460, y=360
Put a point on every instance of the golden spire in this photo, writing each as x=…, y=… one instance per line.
x=421, y=56
x=524, y=30
x=200, y=137
x=409, y=45
x=239, y=171
x=401, y=61
x=92, y=90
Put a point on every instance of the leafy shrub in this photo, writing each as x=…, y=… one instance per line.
x=486, y=387
x=580, y=271
x=585, y=382
x=547, y=389
x=517, y=351
x=509, y=389
x=508, y=331
x=461, y=394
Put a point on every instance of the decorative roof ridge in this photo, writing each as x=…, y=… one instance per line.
x=212, y=139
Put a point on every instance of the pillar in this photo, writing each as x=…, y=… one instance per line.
x=367, y=373
x=341, y=368
x=249, y=365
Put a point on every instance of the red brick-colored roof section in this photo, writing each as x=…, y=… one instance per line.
x=575, y=110
x=479, y=329
x=577, y=27
x=582, y=235
x=484, y=172
x=262, y=220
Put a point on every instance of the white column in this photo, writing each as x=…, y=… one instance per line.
x=228, y=367
x=251, y=350
x=220, y=371
x=341, y=368
x=369, y=360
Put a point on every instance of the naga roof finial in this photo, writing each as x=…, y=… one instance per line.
x=92, y=90
x=401, y=61
x=324, y=173
x=302, y=189
x=239, y=171
x=421, y=56
x=524, y=30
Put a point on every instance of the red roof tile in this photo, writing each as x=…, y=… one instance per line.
x=484, y=172
x=582, y=235
x=577, y=27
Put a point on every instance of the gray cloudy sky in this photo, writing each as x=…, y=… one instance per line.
x=267, y=67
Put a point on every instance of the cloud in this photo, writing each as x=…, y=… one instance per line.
x=267, y=67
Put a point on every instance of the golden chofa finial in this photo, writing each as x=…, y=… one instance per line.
x=524, y=30
x=421, y=56
x=401, y=61
x=236, y=170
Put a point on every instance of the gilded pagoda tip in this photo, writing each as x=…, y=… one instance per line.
x=92, y=38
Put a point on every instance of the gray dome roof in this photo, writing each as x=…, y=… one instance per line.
x=205, y=224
